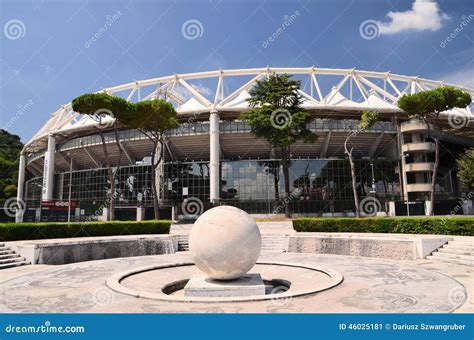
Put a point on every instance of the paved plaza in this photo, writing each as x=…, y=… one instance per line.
x=369, y=286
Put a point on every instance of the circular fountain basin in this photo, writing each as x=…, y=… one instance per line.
x=166, y=282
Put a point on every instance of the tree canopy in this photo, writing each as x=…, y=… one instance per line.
x=367, y=120
x=428, y=104
x=94, y=104
x=10, y=148
x=466, y=169
x=276, y=114
x=153, y=116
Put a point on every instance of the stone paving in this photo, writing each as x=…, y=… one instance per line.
x=369, y=286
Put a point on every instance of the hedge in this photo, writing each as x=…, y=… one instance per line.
x=46, y=230
x=412, y=225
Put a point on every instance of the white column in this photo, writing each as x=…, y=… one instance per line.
x=48, y=173
x=159, y=170
x=140, y=213
x=21, y=185
x=214, y=156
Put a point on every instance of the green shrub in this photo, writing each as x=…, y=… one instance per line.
x=45, y=230
x=412, y=225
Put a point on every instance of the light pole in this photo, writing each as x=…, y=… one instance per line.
x=373, y=191
x=70, y=192
x=404, y=156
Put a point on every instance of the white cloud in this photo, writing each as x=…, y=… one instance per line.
x=424, y=15
x=462, y=77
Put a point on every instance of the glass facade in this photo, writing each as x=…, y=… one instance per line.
x=317, y=186
x=259, y=184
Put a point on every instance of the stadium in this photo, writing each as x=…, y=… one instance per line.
x=213, y=158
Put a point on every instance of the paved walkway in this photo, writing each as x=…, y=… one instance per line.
x=369, y=286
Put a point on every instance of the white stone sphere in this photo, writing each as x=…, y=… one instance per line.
x=225, y=242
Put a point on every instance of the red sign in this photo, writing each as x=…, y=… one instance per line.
x=58, y=205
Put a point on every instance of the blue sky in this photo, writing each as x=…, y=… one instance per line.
x=47, y=57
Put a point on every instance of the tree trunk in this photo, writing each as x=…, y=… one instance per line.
x=284, y=162
x=353, y=176
x=110, y=174
x=276, y=184
x=155, y=190
x=433, y=179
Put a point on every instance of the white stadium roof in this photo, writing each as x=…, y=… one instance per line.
x=344, y=90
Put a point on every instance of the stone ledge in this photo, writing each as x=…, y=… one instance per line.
x=63, y=251
x=389, y=246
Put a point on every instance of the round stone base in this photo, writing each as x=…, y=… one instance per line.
x=166, y=282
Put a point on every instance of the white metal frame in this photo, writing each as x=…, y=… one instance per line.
x=65, y=120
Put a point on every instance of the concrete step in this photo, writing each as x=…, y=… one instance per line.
x=449, y=260
x=5, y=252
x=456, y=247
x=461, y=244
x=454, y=256
x=14, y=264
x=9, y=256
x=456, y=251
x=272, y=243
x=10, y=260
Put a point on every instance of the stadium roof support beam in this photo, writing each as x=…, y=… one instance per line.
x=219, y=90
x=92, y=156
x=199, y=97
x=168, y=148
x=375, y=146
x=127, y=152
x=314, y=82
x=35, y=169
x=337, y=88
x=377, y=88
x=65, y=121
x=362, y=90
x=242, y=88
x=68, y=160
x=324, y=149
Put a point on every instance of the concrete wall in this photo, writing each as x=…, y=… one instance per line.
x=64, y=251
x=385, y=246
